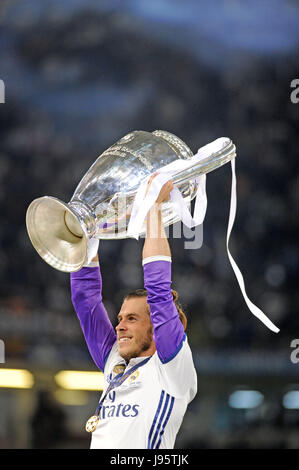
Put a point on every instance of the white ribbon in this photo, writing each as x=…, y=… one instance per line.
x=232, y=214
x=142, y=205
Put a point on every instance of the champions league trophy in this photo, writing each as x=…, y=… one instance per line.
x=102, y=203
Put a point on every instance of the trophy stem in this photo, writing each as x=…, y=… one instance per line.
x=84, y=216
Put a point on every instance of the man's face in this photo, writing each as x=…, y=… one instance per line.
x=134, y=330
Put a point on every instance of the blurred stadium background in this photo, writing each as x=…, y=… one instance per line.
x=80, y=74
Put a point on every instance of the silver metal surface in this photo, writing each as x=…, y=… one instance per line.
x=102, y=202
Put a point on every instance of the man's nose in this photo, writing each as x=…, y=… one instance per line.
x=121, y=326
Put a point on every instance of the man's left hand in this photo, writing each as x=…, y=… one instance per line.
x=165, y=191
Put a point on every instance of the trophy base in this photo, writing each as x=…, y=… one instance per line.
x=56, y=234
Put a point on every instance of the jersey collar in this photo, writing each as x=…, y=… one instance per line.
x=136, y=360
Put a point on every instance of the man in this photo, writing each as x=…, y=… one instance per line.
x=148, y=358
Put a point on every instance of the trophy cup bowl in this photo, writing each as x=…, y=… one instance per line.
x=102, y=202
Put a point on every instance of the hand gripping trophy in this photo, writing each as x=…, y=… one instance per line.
x=110, y=203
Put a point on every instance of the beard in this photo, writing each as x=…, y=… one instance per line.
x=142, y=344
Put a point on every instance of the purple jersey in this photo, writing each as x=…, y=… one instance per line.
x=86, y=288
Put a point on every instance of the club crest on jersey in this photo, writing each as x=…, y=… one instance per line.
x=119, y=368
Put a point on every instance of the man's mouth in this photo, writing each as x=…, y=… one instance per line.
x=124, y=339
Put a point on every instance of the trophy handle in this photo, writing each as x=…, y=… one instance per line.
x=218, y=158
x=200, y=164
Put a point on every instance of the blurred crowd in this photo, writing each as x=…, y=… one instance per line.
x=93, y=77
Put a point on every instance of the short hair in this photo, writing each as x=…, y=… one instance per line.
x=175, y=295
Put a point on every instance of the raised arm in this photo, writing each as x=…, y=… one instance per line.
x=156, y=242
x=86, y=290
x=156, y=259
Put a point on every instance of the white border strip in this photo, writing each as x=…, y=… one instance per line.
x=92, y=264
x=150, y=259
